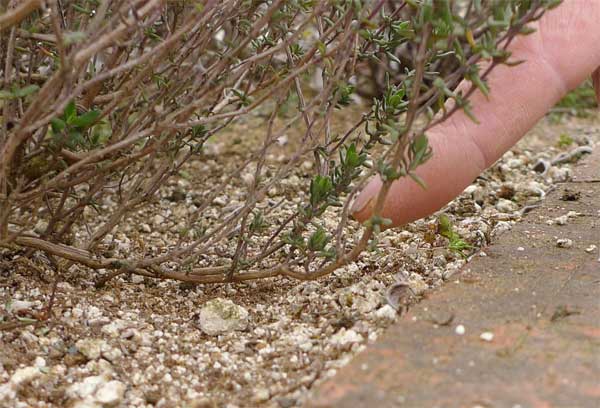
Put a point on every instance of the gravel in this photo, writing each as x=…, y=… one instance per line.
x=220, y=316
x=140, y=342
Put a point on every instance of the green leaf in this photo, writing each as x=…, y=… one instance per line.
x=6, y=95
x=75, y=139
x=421, y=151
x=85, y=120
x=318, y=240
x=445, y=228
x=320, y=187
x=26, y=320
x=57, y=125
x=258, y=223
x=73, y=37
x=70, y=112
x=28, y=90
x=418, y=180
x=322, y=48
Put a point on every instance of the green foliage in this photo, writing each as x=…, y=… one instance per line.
x=318, y=240
x=258, y=223
x=71, y=129
x=564, y=140
x=578, y=102
x=321, y=188
x=343, y=94
x=456, y=243
x=15, y=93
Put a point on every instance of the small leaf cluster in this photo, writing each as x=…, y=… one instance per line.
x=16, y=93
x=456, y=243
x=71, y=129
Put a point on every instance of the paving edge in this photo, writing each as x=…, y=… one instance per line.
x=539, y=303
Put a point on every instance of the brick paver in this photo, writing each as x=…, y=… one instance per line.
x=540, y=302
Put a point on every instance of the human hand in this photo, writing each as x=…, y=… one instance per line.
x=559, y=55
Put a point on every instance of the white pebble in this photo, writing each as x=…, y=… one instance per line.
x=487, y=336
x=19, y=305
x=564, y=243
x=562, y=220
x=460, y=330
x=24, y=375
x=506, y=206
x=261, y=395
x=345, y=337
x=111, y=393
x=221, y=316
x=386, y=313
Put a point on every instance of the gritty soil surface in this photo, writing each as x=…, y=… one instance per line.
x=142, y=342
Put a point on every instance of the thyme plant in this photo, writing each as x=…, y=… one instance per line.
x=106, y=101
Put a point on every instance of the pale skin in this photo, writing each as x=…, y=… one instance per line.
x=562, y=53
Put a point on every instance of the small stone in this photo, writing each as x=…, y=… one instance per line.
x=137, y=279
x=285, y=402
x=221, y=316
x=417, y=284
x=440, y=261
x=470, y=189
x=198, y=403
x=91, y=348
x=307, y=165
x=111, y=393
x=86, y=403
x=40, y=362
x=114, y=328
x=520, y=249
x=41, y=226
x=221, y=201
x=145, y=228
x=501, y=227
x=25, y=375
x=562, y=220
x=261, y=395
x=158, y=220
x=85, y=388
x=345, y=338
x=487, y=336
x=368, y=304
x=75, y=358
x=506, y=192
x=506, y=206
x=17, y=306
x=460, y=330
x=591, y=249
x=386, y=313
x=112, y=354
x=514, y=163
x=559, y=175
x=564, y=243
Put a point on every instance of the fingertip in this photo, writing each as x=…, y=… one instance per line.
x=362, y=208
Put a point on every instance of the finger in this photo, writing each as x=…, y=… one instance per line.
x=520, y=96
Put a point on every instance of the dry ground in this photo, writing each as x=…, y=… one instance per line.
x=142, y=336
